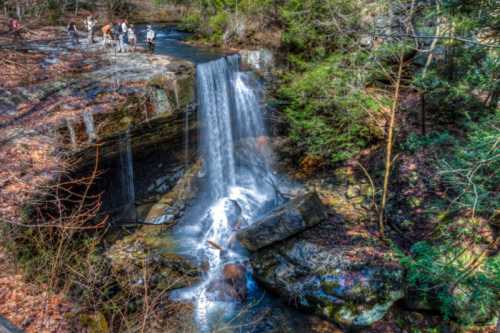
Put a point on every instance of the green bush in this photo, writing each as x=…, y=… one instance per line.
x=471, y=170
x=415, y=142
x=314, y=28
x=439, y=275
x=330, y=112
x=191, y=22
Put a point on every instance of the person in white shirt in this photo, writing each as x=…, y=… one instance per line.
x=121, y=36
x=132, y=39
x=150, y=38
x=91, y=23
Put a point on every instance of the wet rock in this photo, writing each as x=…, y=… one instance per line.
x=151, y=252
x=160, y=101
x=349, y=279
x=233, y=213
x=293, y=217
x=231, y=287
x=149, y=255
x=171, y=205
x=235, y=276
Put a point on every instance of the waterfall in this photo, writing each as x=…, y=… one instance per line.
x=88, y=120
x=127, y=174
x=239, y=184
x=72, y=134
x=186, y=139
x=215, y=101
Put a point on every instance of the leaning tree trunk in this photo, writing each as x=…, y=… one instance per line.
x=388, y=154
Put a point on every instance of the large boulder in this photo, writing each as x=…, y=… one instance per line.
x=340, y=272
x=150, y=254
x=293, y=217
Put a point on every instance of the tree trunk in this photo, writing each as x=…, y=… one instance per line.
x=388, y=154
x=422, y=113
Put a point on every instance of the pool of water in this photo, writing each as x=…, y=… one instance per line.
x=171, y=41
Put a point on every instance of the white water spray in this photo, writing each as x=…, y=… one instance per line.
x=239, y=181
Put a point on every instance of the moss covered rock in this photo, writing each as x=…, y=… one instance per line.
x=149, y=255
x=351, y=278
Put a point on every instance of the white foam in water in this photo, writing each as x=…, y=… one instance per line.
x=231, y=116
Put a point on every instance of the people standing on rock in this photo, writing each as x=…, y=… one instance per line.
x=123, y=28
x=15, y=29
x=73, y=33
x=107, y=33
x=91, y=23
x=132, y=39
x=150, y=38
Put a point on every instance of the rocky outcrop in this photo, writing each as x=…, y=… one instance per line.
x=151, y=252
x=149, y=255
x=337, y=269
x=172, y=205
x=141, y=105
x=349, y=284
x=292, y=218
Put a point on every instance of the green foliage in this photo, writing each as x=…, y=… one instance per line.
x=314, y=28
x=461, y=83
x=217, y=25
x=471, y=171
x=330, y=112
x=415, y=142
x=461, y=88
x=191, y=22
x=54, y=11
x=439, y=274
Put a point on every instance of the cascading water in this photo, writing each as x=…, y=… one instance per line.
x=239, y=182
x=127, y=175
x=88, y=120
x=72, y=134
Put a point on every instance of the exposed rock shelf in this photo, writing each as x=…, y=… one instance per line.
x=98, y=98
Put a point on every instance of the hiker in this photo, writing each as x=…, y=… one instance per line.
x=15, y=28
x=150, y=38
x=90, y=23
x=73, y=33
x=107, y=33
x=121, y=37
x=115, y=30
x=132, y=39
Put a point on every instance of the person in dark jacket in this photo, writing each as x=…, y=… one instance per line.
x=73, y=33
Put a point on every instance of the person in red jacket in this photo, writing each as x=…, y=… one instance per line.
x=15, y=28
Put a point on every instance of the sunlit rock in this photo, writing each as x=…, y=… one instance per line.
x=285, y=221
x=340, y=274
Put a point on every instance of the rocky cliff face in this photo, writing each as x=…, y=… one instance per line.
x=154, y=130
x=98, y=107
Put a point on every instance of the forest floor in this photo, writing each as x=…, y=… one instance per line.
x=29, y=306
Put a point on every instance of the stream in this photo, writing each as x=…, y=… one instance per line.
x=238, y=186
